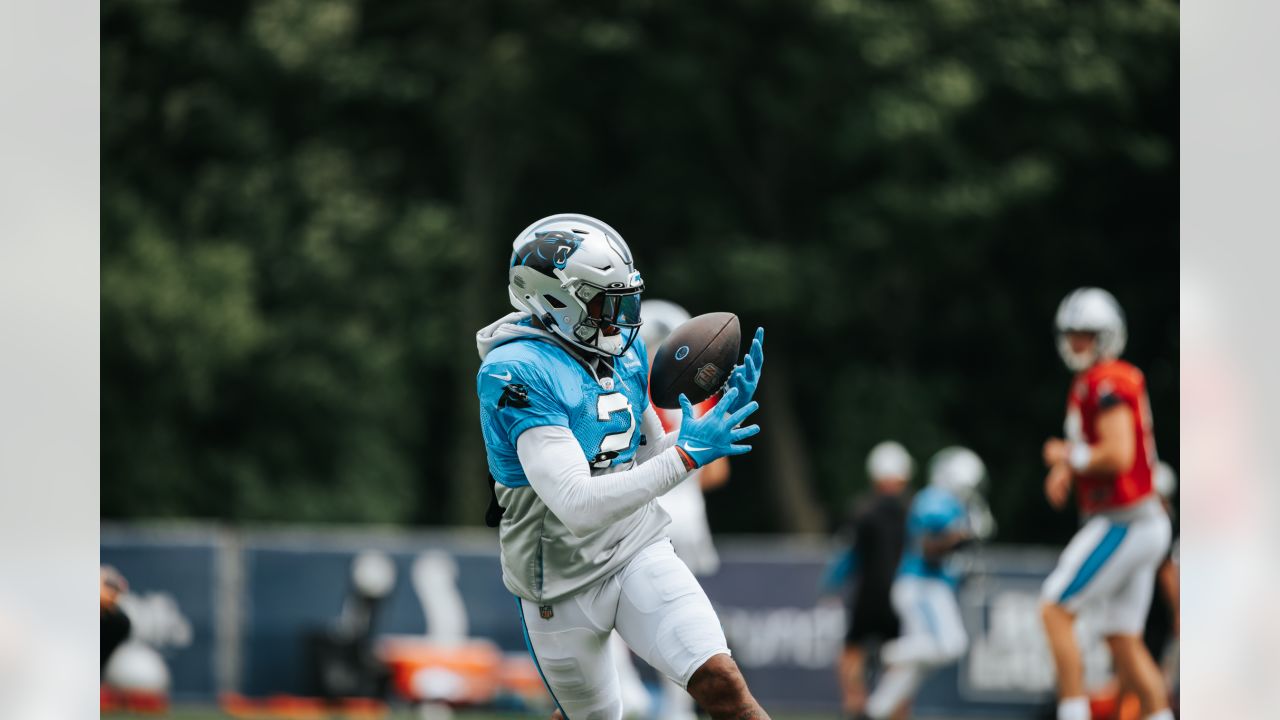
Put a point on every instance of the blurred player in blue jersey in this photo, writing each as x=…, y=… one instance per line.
x=578, y=458
x=924, y=593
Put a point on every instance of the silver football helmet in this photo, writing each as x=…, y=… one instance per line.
x=888, y=460
x=959, y=471
x=1092, y=310
x=575, y=274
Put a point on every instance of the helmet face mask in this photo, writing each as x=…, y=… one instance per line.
x=575, y=274
x=611, y=310
x=1094, y=311
x=1075, y=355
x=610, y=320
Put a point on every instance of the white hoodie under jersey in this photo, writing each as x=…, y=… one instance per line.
x=578, y=457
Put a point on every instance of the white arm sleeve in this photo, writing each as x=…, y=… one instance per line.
x=655, y=440
x=559, y=473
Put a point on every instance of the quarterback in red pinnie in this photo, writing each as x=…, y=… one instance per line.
x=1108, y=456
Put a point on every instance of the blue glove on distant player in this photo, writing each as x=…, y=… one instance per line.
x=746, y=376
x=713, y=435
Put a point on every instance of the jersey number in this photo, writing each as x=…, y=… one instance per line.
x=613, y=443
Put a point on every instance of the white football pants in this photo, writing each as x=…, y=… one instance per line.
x=1111, y=563
x=932, y=636
x=658, y=608
x=636, y=702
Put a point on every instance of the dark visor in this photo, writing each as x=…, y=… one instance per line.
x=617, y=310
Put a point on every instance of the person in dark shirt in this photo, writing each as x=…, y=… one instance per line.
x=876, y=534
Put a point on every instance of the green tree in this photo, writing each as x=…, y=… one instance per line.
x=308, y=207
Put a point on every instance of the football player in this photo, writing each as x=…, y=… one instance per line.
x=578, y=458
x=1107, y=457
x=924, y=593
x=877, y=531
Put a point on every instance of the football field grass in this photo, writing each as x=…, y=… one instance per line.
x=196, y=713
x=208, y=713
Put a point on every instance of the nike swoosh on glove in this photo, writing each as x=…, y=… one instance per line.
x=715, y=434
x=746, y=377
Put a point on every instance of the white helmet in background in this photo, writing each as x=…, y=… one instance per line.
x=957, y=470
x=1165, y=480
x=661, y=318
x=1092, y=310
x=888, y=460
x=575, y=274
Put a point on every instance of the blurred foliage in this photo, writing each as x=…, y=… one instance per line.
x=307, y=210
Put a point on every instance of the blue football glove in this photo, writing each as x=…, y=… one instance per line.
x=746, y=376
x=714, y=434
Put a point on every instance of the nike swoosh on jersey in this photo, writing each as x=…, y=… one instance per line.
x=691, y=448
x=505, y=377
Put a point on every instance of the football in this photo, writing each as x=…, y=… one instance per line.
x=695, y=359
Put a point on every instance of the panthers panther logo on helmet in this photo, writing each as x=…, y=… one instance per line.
x=547, y=251
x=575, y=274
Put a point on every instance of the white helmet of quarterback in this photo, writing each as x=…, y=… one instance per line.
x=958, y=470
x=1091, y=310
x=575, y=274
x=888, y=460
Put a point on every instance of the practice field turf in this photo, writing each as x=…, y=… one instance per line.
x=213, y=714
x=187, y=713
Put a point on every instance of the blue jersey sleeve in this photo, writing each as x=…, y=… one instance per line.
x=515, y=396
x=936, y=513
x=842, y=566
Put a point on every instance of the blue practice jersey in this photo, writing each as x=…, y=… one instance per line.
x=529, y=379
x=531, y=382
x=932, y=511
